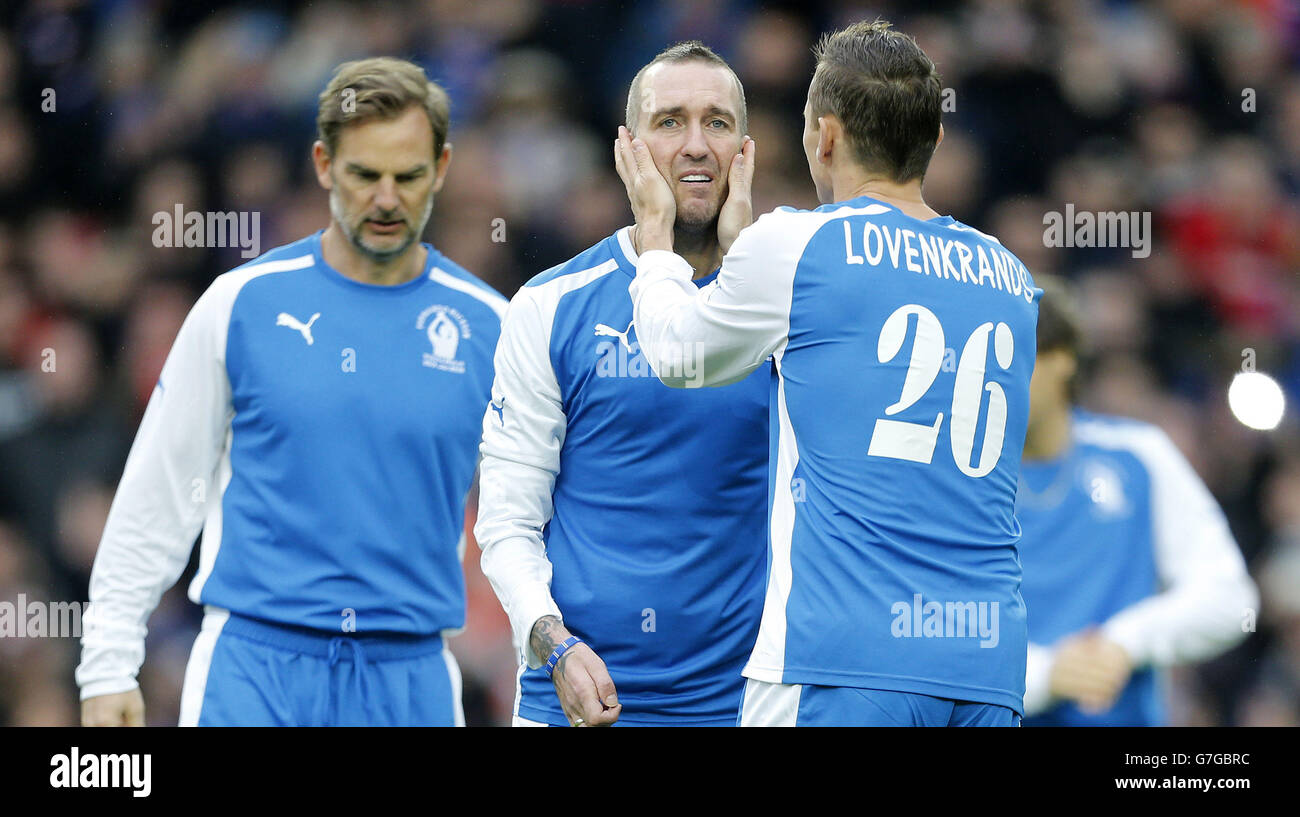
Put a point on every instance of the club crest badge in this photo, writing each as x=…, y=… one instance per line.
x=445, y=328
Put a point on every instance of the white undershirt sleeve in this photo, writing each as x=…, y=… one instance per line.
x=162, y=497
x=523, y=432
x=1207, y=592
x=720, y=333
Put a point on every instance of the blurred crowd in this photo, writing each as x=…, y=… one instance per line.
x=119, y=109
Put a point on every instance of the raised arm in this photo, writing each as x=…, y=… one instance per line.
x=718, y=334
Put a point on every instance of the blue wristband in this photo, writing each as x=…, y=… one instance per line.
x=559, y=651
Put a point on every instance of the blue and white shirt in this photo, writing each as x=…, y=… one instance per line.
x=903, y=351
x=323, y=432
x=635, y=512
x=1121, y=535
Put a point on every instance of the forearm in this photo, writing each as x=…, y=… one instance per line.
x=690, y=338
x=520, y=575
x=1186, y=623
x=1207, y=591
x=130, y=574
x=720, y=333
x=146, y=544
x=548, y=633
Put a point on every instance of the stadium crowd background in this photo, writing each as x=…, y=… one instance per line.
x=1110, y=106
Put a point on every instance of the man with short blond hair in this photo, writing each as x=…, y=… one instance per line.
x=903, y=342
x=318, y=416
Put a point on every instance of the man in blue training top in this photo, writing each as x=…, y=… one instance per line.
x=623, y=523
x=318, y=416
x=1129, y=563
x=903, y=343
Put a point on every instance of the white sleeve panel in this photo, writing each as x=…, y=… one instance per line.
x=1038, y=679
x=163, y=495
x=523, y=432
x=1206, y=589
x=718, y=334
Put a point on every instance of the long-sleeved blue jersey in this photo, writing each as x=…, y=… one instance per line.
x=323, y=432
x=635, y=511
x=903, y=350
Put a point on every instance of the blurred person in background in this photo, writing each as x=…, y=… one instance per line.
x=319, y=417
x=30, y=692
x=1129, y=565
x=637, y=617
x=73, y=439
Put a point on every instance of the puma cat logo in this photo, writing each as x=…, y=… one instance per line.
x=285, y=319
x=609, y=331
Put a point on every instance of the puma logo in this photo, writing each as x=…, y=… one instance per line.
x=607, y=331
x=285, y=319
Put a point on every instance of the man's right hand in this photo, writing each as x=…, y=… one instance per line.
x=582, y=682
x=1089, y=670
x=120, y=709
x=653, y=204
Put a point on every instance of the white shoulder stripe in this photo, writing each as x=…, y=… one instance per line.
x=283, y=265
x=225, y=290
x=563, y=284
x=546, y=297
x=496, y=302
x=1134, y=437
x=1153, y=448
x=956, y=225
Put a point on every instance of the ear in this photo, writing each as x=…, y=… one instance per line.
x=322, y=162
x=939, y=141
x=444, y=161
x=825, y=140
x=1069, y=365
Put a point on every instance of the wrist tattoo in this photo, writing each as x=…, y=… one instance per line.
x=548, y=633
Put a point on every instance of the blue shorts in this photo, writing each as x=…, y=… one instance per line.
x=245, y=672
x=807, y=705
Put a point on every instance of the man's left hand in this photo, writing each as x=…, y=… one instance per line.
x=738, y=210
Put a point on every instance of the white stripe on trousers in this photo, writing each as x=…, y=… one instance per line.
x=767, y=704
x=196, y=671
x=453, y=672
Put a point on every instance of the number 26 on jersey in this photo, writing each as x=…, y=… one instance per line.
x=915, y=442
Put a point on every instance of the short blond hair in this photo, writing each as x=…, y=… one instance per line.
x=887, y=94
x=380, y=88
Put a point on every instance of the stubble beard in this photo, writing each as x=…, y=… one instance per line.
x=695, y=229
x=353, y=233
